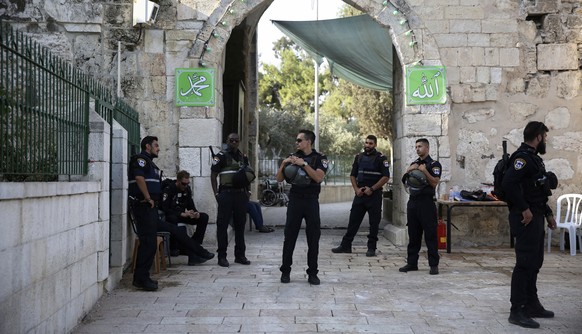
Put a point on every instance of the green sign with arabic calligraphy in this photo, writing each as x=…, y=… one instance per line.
x=426, y=85
x=195, y=87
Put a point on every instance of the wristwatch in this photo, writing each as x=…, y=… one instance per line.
x=305, y=163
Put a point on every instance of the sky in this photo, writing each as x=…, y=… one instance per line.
x=290, y=10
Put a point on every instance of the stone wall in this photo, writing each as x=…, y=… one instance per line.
x=508, y=62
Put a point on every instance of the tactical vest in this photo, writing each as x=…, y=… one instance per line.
x=368, y=172
x=226, y=175
x=532, y=191
x=152, y=178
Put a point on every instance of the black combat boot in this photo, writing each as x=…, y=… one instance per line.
x=517, y=316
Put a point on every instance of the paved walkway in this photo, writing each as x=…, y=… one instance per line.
x=357, y=293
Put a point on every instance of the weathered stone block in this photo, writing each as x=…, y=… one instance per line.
x=552, y=57
x=154, y=41
x=561, y=167
x=422, y=125
x=499, y=26
x=558, y=118
x=478, y=115
x=509, y=57
x=568, y=84
x=519, y=111
x=567, y=141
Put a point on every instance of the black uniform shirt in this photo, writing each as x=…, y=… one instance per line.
x=175, y=202
x=519, y=183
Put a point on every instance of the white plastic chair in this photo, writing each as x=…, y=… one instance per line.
x=571, y=221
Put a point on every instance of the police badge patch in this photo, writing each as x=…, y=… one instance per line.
x=519, y=163
x=386, y=164
x=215, y=160
x=141, y=162
x=324, y=163
x=436, y=171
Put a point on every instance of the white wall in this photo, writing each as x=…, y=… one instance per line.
x=54, y=246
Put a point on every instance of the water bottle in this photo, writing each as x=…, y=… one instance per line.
x=451, y=195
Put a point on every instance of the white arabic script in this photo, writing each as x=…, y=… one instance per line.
x=428, y=91
x=195, y=87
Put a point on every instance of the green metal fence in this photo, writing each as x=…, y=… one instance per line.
x=44, y=112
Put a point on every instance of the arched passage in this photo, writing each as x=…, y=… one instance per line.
x=230, y=31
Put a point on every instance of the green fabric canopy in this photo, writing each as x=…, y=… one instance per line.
x=357, y=48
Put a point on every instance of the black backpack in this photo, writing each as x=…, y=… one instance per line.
x=166, y=183
x=499, y=173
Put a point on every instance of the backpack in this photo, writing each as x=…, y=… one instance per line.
x=499, y=172
x=166, y=183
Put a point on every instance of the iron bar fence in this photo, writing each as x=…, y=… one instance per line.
x=338, y=171
x=44, y=112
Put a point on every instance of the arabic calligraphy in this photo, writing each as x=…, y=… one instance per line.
x=426, y=86
x=195, y=86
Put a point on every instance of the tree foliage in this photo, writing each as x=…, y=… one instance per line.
x=347, y=112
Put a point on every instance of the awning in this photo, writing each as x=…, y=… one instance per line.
x=357, y=48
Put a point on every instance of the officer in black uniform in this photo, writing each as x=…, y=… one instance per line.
x=232, y=200
x=305, y=170
x=179, y=207
x=370, y=172
x=145, y=192
x=421, y=209
x=527, y=187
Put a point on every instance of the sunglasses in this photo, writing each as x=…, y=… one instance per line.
x=232, y=140
x=185, y=184
x=298, y=140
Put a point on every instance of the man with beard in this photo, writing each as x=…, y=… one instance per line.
x=144, y=196
x=232, y=200
x=527, y=187
x=369, y=174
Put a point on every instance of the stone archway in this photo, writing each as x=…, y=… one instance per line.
x=413, y=45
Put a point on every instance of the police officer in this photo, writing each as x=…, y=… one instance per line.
x=145, y=192
x=305, y=170
x=527, y=187
x=369, y=174
x=232, y=200
x=179, y=207
x=421, y=210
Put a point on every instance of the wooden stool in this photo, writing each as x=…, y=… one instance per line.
x=160, y=258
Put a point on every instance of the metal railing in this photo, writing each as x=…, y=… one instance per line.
x=44, y=112
x=338, y=171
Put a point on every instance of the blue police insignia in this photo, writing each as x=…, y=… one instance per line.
x=519, y=163
x=386, y=164
x=141, y=162
x=324, y=163
x=436, y=171
x=215, y=160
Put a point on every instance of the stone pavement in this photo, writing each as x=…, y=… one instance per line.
x=357, y=293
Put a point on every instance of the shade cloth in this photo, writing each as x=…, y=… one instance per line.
x=357, y=48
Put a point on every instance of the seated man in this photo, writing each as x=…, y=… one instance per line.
x=254, y=210
x=179, y=208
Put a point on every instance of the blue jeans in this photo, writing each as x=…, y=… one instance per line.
x=254, y=210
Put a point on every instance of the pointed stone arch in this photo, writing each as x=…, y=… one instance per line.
x=413, y=44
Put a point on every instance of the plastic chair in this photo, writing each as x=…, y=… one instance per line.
x=571, y=221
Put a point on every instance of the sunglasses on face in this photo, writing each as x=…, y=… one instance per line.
x=234, y=140
x=185, y=184
x=298, y=140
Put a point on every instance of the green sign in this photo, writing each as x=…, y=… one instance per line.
x=195, y=87
x=426, y=85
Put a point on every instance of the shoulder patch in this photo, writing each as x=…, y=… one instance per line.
x=436, y=170
x=386, y=163
x=519, y=163
x=215, y=160
x=324, y=162
x=141, y=162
